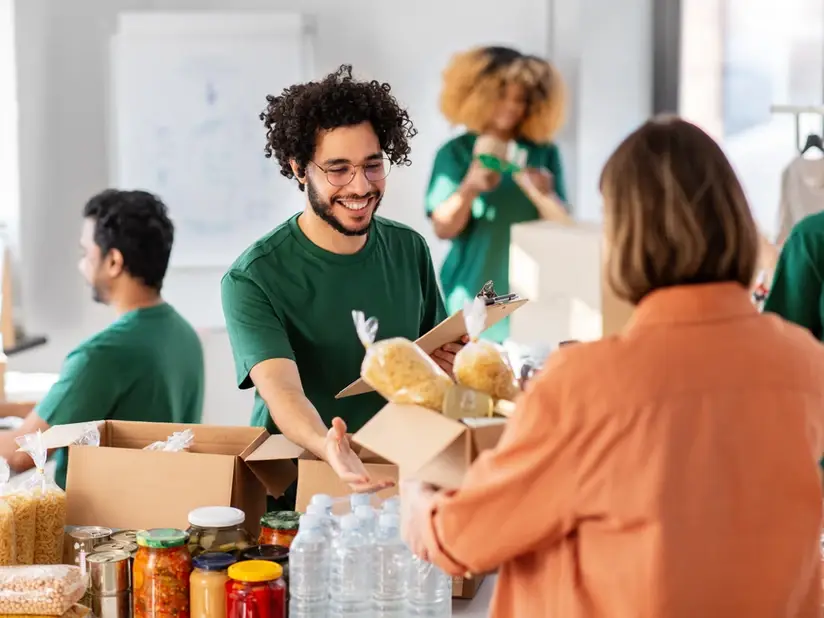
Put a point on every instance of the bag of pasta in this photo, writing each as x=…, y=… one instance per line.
x=23, y=507
x=482, y=365
x=50, y=520
x=8, y=538
x=399, y=369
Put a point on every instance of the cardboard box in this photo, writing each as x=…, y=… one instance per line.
x=560, y=268
x=119, y=485
x=451, y=329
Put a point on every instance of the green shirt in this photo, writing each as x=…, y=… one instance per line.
x=285, y=297
x=146, y=366
x=797, y=290
x=481, y=251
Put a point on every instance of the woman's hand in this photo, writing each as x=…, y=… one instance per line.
x=444, y=356
x=538, y=178
x=479, y=179
x=346, y=463
x=416, y=507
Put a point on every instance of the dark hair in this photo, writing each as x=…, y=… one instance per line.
x=135, y=223
x=674, y=212
x=294, y=118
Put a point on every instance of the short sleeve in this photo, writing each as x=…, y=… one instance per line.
x=434, y=311
x=256, y=330
x=448, y=172
x=556, y=168
x=80, y=395
x=797, y=286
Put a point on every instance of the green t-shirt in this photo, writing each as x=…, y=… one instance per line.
x=797, y=290
x=481, y=251
x=285, y=297
x=145, y=366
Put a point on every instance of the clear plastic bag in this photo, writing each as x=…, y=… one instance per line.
x=16, y=538
x=40, y=590
x=482, y=365
x=399, y=369
x=50, y=520
x=75, y=611
x=178, y=441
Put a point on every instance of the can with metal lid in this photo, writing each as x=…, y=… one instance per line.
x=110, y=605
x=125, y=536
x=129, y=548
x=109, y=572
x=85, y=539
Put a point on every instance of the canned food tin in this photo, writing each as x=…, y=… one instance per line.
x=125, y=536
x=129, y=548
x=109, y=572
x=85, y=539
x=111, y=606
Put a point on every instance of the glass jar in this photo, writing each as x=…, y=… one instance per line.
x=207, y=597
x=278, y=528
x=217, y=529
x=270, y=553
x=160, y=576
x=255, y=590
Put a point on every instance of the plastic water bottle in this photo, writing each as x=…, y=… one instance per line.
x=309, y=561
x=352, y=580
x=430, y=591
x=328, y=522
x=324, y=501
x=368, y=520
x=391, y=505
x=392, y=559
x=356, y=500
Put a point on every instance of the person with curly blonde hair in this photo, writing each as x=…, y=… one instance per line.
x=511, y=106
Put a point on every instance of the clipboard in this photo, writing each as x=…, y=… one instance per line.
x=451, y=329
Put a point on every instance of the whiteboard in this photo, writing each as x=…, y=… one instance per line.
x=187, y=91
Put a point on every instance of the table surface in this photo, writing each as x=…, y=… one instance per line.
x=479, y=606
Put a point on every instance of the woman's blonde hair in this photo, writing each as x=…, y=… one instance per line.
x=674, y=212
x=474, y=80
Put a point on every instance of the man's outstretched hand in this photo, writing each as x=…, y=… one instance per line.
x=346, y=463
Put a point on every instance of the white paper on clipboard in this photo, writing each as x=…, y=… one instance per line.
x=451, y=329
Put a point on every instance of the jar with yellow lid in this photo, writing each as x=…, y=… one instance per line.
x=207, y=585
x=255, y=588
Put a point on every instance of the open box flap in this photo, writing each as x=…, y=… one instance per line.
x=451, y=329
x=271, y=462
x=66, y=435
x=409, y=436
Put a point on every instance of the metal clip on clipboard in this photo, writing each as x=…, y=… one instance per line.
x=491, y=298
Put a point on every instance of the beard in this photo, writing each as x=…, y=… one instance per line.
x=325, y=210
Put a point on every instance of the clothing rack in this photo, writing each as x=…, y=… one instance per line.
x=797, y=111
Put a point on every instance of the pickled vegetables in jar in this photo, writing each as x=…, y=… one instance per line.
x=278, y=528
x=161, y=572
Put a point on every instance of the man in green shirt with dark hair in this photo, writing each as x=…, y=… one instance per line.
x=145, y=366
x=288, y=299
x=797, y=290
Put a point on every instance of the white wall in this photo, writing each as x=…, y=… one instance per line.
x=62, y=64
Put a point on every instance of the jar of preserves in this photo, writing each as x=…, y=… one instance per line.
x=270, y=553
x=217, y=529
x=278, y=528
x=255, y=590
x=207, y=597
x=160, y=576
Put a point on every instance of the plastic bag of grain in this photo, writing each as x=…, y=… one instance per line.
x=75, y=611
x=8, y=538
x=23, y=505
x=50, y=519
x=42, y=590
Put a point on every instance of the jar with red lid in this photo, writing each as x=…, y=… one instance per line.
x=255, y=590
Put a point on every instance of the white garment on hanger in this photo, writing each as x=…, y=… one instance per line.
x=802, y=194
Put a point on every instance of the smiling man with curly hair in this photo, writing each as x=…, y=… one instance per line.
x=288, y=300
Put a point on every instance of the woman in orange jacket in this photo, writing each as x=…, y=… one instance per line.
x=671, y=470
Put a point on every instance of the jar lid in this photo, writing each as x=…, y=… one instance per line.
x=161, y=538
x=271, y=553
x=213, y=561
x=281, y=520
x=216, y=517
x=255, y=571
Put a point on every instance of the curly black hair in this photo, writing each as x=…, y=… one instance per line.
x=294, y=118
x=137, y=224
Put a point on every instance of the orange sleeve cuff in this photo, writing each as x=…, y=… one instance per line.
x=432, y=539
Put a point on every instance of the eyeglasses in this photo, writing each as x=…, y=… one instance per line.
x=341, y=174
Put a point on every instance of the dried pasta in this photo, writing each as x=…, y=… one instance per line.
x=23, y=504
x=8, y=547
x=399, y=369
x=482, y=365
x=40, y=590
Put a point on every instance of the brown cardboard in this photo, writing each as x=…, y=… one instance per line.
x=120, y=485
x=451, y=329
